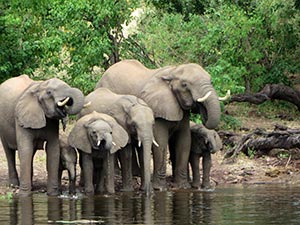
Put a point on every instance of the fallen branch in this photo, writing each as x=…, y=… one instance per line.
x=263, y=141
x=270, y=92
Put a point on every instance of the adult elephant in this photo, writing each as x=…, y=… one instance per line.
x=29, y=115
x=97, y=137
x=172, y=92
x=137, y=119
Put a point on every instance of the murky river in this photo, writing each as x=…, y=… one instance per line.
x=255, y=204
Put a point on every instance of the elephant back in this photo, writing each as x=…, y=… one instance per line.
x=125, y=77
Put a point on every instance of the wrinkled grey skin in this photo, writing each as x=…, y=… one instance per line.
x=29, y=116
x=204, y=143
x=68, y=161
x=97, y=137
x=171, y=92
x=137, y=119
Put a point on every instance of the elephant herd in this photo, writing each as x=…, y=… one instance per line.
x=133, y=111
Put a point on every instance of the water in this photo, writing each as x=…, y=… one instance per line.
x=255, y=204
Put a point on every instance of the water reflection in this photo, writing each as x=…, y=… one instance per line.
x=227, y=205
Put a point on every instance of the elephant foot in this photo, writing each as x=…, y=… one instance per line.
x=89, y=193
x=207, y=187
x=54, y=192
x=23, y=193
x=196, y=185
x=181, y=185
x=14, y=183
x=159, y=185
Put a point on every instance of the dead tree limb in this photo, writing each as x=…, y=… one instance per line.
x=270, y=92
x=263, y=141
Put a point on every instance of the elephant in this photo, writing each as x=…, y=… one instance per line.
x=172, y=92
x=204, y=143
x=30, y=112
x=134, y=115
x=68, y=161
x=97, y=137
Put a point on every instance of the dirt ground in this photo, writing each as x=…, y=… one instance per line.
x=264, y=169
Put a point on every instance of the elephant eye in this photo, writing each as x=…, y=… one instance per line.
x=184, y=84
x=48, y=92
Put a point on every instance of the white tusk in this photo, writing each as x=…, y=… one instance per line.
x=155, y=143
x=204, y=97
x=114, y=144
x=87, y=104
x=140, y=143
x=98, y=143
x=62, y=103
x=226, y=96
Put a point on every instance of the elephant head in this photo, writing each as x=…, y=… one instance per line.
x=97, y=131
x=173, y=90
x=204, y=139
x=52, y=99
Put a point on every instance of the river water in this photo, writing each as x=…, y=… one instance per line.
x=234, y=204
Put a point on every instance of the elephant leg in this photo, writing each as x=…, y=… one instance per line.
x=98, y=175
x=87, y=169
x=161, y=135
x=25, y=150
x=182, y=151
x=194, y=161
x=81, y=179
x=72, y=179
x=53, y=161
x=126, y=167
x=11, y=165
x=172, y=142
x=100, y=181
x=206, y=164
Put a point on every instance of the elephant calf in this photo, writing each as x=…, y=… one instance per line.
x=97, y=137
x=68, y=161
x=204, y=143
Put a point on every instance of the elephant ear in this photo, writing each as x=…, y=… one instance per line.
x=28, y=111
x=78, y=137
x=159, y=97
x=120, y=136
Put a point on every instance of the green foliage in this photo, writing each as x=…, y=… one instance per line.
x=39, y=37
x=229, y=123
x=9, y=195
x=184, y=7
x=251, y=152
x=243, y=44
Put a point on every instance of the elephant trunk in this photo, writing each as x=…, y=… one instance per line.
x=213, y=111
x=108, y=141
x=209, y=106
x=75, y=102
x=147, y=141
x=147, y=147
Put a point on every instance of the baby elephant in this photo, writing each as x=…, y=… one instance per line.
x=68, y=161
x=204, y=143
x=97, y=137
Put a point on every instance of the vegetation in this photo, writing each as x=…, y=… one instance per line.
x=243, y=44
